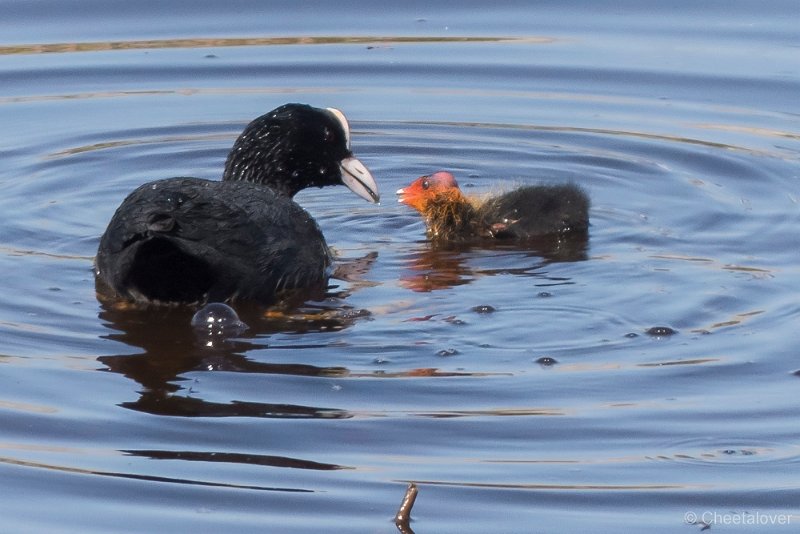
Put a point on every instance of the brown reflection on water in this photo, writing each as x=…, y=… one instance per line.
x=443, y=266
x=149, y=44
x=433, y=269
x=171, y=349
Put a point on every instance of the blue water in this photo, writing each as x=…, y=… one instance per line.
x=519, y=389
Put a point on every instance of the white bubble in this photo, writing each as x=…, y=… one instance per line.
x=218, y=320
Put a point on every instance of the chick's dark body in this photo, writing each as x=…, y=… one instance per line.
x=537, y=210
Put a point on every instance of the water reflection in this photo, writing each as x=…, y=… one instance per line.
x=236, y=458
x=171, y=349
x=151, y=44
x=146, y=478
x=442, y=266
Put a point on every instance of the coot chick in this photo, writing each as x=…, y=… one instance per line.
x=527, y=212
x=190, y=240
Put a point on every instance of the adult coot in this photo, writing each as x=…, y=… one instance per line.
x=189, y=240
x=527, y=212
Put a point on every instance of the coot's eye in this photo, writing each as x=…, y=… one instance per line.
x=425, y=184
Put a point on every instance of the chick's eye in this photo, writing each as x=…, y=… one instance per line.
x=425, y=184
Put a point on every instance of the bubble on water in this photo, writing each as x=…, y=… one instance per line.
x=217, y=320
x=661, y=331
x=484, y=308
x=546, y=361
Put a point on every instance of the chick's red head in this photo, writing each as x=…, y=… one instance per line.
x=419, y=192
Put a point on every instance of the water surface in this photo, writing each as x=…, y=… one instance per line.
x=522, y=389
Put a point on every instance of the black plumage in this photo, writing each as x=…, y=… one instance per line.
x=190, y=240
x=536, y=210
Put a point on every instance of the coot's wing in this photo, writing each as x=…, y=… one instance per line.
x=276, y=242
x=186, y=240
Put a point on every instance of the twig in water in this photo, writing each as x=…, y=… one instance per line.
x=403, y=517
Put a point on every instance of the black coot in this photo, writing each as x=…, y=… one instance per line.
x=189, y=240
